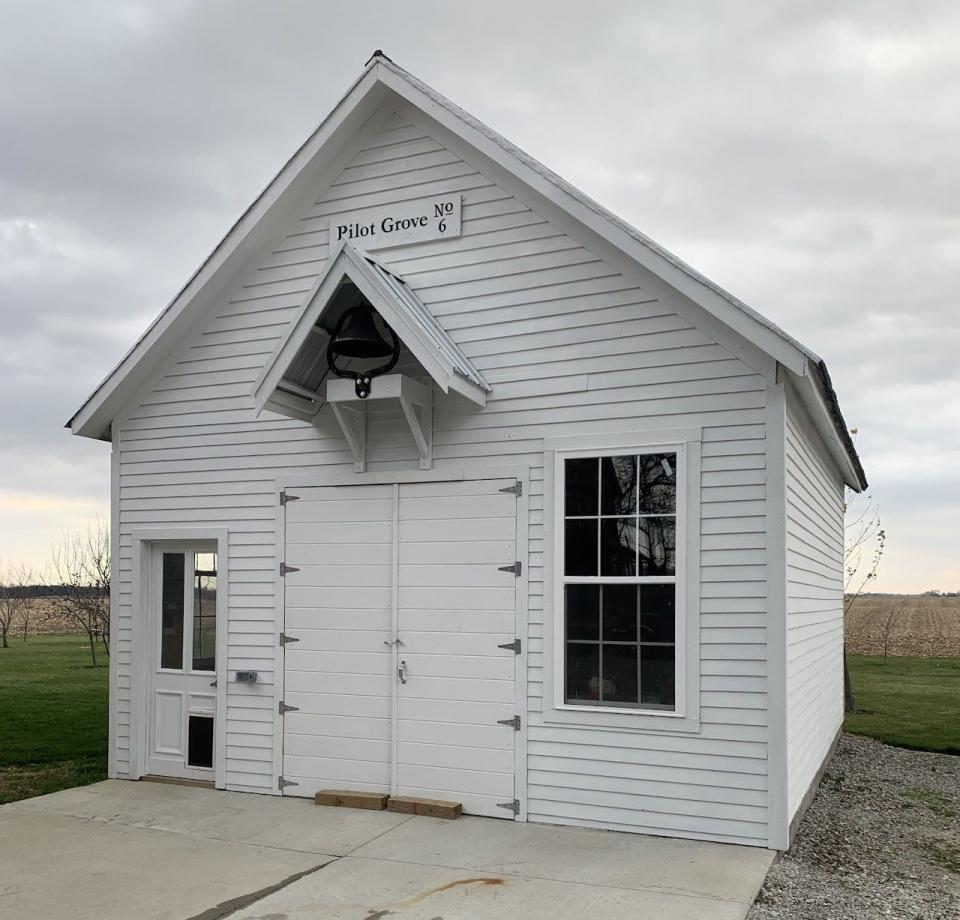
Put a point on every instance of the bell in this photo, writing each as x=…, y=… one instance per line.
x=356, y=335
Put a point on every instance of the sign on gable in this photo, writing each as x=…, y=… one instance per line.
x=399, y=224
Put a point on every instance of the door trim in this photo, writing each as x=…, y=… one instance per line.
x=144, y=642
x=466, y=471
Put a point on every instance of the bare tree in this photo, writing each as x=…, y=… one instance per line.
x=15, y=600
x=864, y=543
x=892, y=615
x=80, y=567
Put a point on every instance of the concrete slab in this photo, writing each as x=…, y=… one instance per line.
x=365, y=889
x=713, y=870
x=117, y=849
x=289, y=823
x=62, y=868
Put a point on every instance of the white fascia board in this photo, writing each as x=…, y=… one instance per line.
x=605, y=225
x=805, y=387
x=322, y=148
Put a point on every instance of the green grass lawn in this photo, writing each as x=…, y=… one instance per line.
x=53, y=716
x=908, y=702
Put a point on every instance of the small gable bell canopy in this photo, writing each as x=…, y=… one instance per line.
x=297, y=381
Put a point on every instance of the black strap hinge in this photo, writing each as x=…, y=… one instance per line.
x=286, y=569
x=287, y=497
x=515, y=567
x=511, y=646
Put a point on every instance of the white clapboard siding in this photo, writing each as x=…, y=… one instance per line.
x=570, y=346
x=814, y=493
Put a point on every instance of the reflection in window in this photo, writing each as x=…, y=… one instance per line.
x=171, y=611
x=205, y=612
x=619, y=575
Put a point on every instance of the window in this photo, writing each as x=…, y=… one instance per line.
x=204, y=611
x=188, y=610
x=618, y=580
x=171, y=612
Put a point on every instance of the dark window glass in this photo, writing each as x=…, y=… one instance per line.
x=205, y=612
x=618, y=485
x=583, y=612
x=657, y=608
x=658, y=484
x=618, y=546
x=171, y=611
x=656, y=675
x=620, y=524
x=581, y=486
x=583, y=672
x=620, y=674
x=619, y=613
x=657, y=540
x=200, y=741
x=580, y=547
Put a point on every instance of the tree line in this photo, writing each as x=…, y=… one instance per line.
x=75, y=586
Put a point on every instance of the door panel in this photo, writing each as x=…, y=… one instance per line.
x=455, y=608
x=338, y=606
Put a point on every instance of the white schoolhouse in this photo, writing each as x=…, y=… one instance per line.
x=439, y=479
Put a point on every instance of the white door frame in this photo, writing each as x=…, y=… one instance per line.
x=145, y=644
x=467, y=471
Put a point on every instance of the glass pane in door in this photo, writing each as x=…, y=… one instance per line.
x=171, y=612
x=205, y=612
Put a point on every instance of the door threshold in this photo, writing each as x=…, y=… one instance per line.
x=178, y=781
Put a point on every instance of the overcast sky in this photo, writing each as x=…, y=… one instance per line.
x=804, y=155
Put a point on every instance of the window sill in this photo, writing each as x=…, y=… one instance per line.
x=641, y=721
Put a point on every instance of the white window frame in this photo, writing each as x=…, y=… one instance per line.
x=685, y=443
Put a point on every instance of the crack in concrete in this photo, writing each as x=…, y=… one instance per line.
x=225, y=908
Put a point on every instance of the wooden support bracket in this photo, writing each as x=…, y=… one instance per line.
x=352, y=420
x=416, y=401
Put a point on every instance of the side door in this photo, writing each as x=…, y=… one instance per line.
x=182, y=611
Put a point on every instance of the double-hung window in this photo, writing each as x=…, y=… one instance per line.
x=621, y=534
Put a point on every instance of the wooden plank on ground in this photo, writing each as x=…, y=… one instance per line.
x=428, y=808
x=347, y=798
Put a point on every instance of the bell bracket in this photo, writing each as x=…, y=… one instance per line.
x=349, y=409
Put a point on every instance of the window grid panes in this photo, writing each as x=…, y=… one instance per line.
x=619, y=580
x=204, y=611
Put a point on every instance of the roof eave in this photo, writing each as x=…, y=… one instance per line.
x=816, y=391
x=360, y=101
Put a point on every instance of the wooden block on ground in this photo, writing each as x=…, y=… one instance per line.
x=346, y=798
x=428, y=808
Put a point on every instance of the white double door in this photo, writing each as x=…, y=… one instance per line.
x=401, y=608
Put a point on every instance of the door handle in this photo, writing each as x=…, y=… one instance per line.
x=401, y=671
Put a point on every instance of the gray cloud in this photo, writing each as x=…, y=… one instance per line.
x=801, y=154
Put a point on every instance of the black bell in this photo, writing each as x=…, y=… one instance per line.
x=356, y=335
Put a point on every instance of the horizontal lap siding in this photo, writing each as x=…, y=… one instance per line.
x=814, y=604
x=569, y=347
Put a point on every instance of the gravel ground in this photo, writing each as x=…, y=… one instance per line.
x=881, y=839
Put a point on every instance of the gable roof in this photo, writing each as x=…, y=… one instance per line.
x=400, y=308
x=318, y=160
